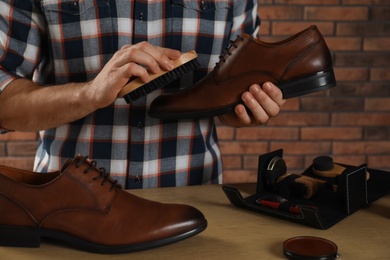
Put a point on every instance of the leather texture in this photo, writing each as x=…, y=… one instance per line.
x=83, y=206
x=299, y=65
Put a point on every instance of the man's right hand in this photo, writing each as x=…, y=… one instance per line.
x=131, y=60
x=27, y=106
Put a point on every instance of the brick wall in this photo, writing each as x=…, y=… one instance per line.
x=350, y=122
x=17, y=149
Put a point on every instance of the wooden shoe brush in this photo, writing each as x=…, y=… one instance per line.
x=135, y=88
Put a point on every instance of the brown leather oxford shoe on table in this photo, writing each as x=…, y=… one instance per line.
x=299, y=65
x=82, y=206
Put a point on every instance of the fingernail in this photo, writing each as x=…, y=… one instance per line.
x=157, y=68
x=169, y=64
x=267, y=86
x=243, y=97
x=246, y=97
x=255, y=88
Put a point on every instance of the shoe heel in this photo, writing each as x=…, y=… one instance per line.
x=19, y=237
x=320, y=81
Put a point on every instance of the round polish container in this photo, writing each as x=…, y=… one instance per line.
x=309, y=248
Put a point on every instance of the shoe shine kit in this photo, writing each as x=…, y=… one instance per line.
x=321, y=196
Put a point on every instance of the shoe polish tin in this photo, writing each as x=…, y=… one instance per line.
x=309, y=248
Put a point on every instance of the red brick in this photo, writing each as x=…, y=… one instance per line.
x=376, y=44
x=351, y=74
x=242, y=176
x=291, y=105
x=361, y=119
x=361, y=59
x=225, y=132
x=265, y=29
x=2, y=149
x=25, y=163
x=331, y=133
x=308, y=2
x=336, y=13
x=377, y=104
x=280, y=12
x=331, y=104
x=298, y=119
x=262, y=2
x=290, y=28
x=360, y=89
x=232, y=162
x=22, y=148
x=251, y=162
x=19, y=136
x=366, y=28
x=380, y=162
x=365, y=2
x=362, y=148
x=380, y=13
x=380, y=74
x=302, y=147
x=377, y=133
x=267, y=133
x=344, y=43
x=230, y=148
x=294, y=161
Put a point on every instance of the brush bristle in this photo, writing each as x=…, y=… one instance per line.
x=161, y=81
x=136, y=88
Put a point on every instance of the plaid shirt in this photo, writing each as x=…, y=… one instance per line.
x=61, y=41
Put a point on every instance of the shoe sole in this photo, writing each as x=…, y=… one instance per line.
x=318, y=82
x=32, y=237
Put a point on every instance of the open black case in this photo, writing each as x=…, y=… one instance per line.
x=327, y=207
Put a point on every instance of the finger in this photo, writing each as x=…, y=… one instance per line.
x=163, y=56
x=256, y=103
x=137, y=53
x=263, y=103
x=133, y=54
x=274, y=93
x=242, y=114
x=152, y=57
x=133, y=69
x=171, y=53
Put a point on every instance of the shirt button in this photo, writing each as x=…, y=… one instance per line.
x=75, y=6
x=138, y=179
x=140, y=126
x=141, y=16
x=203, y=5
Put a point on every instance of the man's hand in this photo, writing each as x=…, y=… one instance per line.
x=131, y=60
x=24, y=104
x=262, y=103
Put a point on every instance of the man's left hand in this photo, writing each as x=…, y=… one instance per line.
x=261, y=104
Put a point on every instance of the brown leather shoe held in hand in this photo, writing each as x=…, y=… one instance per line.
x=83, y=207
x=299, y=65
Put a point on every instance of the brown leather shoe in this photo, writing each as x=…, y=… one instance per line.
x=82, y=206
x=298, y=65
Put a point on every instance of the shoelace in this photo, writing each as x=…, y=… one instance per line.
x=232, y=44
x=102, y=172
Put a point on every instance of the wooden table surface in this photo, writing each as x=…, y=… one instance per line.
x=233, y=233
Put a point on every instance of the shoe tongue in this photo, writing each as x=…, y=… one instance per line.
x=69, y=162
